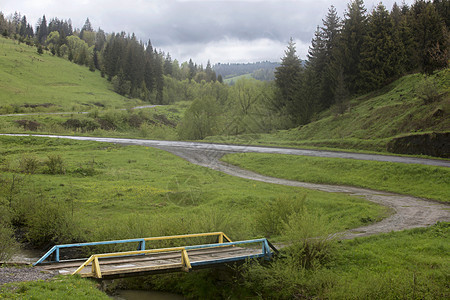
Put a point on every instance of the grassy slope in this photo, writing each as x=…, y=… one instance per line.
x=26, y=77
x=411, y=264
x=417, y=180
x=370, y=121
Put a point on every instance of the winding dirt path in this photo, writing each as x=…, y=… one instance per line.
x=409, y=212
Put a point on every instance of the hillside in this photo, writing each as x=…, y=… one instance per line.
x=260, y=70
x=30, y=82
x=412, y=105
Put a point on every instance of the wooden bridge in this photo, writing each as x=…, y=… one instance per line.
x=160, y=260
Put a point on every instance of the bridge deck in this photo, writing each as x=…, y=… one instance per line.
x=161, y=260
x=154, y=263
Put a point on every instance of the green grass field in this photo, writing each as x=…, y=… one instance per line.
x=29, y=78
x=410, y=179
x=109, y=192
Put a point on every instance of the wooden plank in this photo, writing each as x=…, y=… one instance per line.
x=141, y=269
x=148, y=257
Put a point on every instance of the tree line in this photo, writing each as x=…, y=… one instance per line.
x=135, y=68
x=360, y=53
x=357, y=54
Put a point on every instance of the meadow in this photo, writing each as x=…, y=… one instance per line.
x=106, y=191
x=408, y=179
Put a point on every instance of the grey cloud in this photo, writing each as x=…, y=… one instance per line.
x=194, y=28
x=202, y=22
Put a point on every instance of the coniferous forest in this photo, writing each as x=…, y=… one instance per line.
x=358, y=53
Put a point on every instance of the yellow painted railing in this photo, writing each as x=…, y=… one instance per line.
x=221, y=236
x=185, y=263
x=94, y=259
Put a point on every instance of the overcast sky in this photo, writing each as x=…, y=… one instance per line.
x=218, y=30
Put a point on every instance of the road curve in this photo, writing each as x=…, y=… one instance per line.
x=409, y=212
x=226, y=148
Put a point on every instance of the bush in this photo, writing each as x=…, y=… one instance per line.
x=86, y=169
x=272, y=217
x=8, y=244
x=28, y=124
x=28, y=164
x=50, y=223
x=428, y=90
x=55, y=164
x=312, y=244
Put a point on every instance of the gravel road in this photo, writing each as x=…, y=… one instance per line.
x=408, y=212
x=14, y=274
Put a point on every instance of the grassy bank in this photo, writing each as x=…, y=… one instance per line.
x=416, y=180
x=61, y=287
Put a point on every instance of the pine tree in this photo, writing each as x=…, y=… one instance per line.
x=168, y=65
x=288, y=79
x=42, y=31
x=159, y=77
x=443, y=9
x=330, y=33
x=23, y=27
x=403, y=30
x=210, y=74
x=192, y=70
x=430, y=36
x=352, y=36
x=382, y=55
x=149, y=76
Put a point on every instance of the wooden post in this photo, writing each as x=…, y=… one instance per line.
x=185, y=261
x=96, y=268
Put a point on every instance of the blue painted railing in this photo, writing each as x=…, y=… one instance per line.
x=266, y=246
x=55, y=249
x=266, y=253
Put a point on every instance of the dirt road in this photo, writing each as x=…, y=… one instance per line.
x=409, y=212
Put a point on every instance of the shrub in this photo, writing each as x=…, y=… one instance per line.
x=86, y=169
x=50, y=222
x=428, y=90
x=8, y=244
x=312, y=244
x=272, y=217
x=28, y=124
x=28, y=164
x=55, y=164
